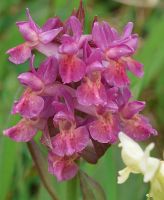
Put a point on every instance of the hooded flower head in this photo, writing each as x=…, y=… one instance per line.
x=112, y=44
x=92, y=91
x=34, y=36
x=134, y=124
x=70, y=139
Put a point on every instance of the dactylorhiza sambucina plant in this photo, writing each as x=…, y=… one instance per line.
x=138, y=161
x=79, y=97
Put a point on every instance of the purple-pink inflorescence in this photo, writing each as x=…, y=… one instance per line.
x=79, y=96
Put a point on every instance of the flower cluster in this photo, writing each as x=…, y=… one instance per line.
x=139, y=161
x=79, y=96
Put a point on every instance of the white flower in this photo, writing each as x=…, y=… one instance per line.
x=140, y=3
x=139, y=161
x=136, y=160
x=157, y=184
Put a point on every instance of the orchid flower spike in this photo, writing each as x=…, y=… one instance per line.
x=79, y=97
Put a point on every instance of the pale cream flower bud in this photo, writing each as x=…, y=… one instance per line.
x=157, y=184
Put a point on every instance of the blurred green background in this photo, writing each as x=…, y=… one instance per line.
x=18, y=177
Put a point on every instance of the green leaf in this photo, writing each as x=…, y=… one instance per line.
x=43, y=194
x=90, y=188
x=105, y=172
x=9, y=150
x=151, y=55
x=72, y=188
x=9, y=153
x=41, y=167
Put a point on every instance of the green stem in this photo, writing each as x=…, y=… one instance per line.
x=72, y=189
x=41, y=168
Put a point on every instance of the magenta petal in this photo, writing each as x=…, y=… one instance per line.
x=60, y=108
x=19, y=54
x=81, y=138
x=49, y=49
x=89, y=93
x=115, y=75
x=104, y=132
x=120, y=96
x=68, y=46
x=29, y=106
x=48, y=70
x=62, y=167
x=28, y=33
x=115, y=46
x=48, y=110
x=112, y=93
x=70, y=169
x=95, y=66
x=31, y=63
x=59, y=145
x=132, y=42
x=52, y=23
x=33, y=25
x=71, y=69
x=132, y=108
x=71, y=142
x=31, y=80
x=48, y=36
x=135, y=67
x=99, y=36
x=128, y=30
x=112, y=99
x=87, y=50
x=119, y=51
x=95, y=56
x=108, y=33
x=112, y=106
x=115, y=34
x=138, y=128
x=75, y=26
x=94, y=61
x=64, y=117
x=22, y=132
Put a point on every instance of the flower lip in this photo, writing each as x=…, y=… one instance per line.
x=64, y=168
x=105, y=129
x=71, y=69
x=22, y=132
x=92, y=91
x=70, y=141
x=19, y=54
